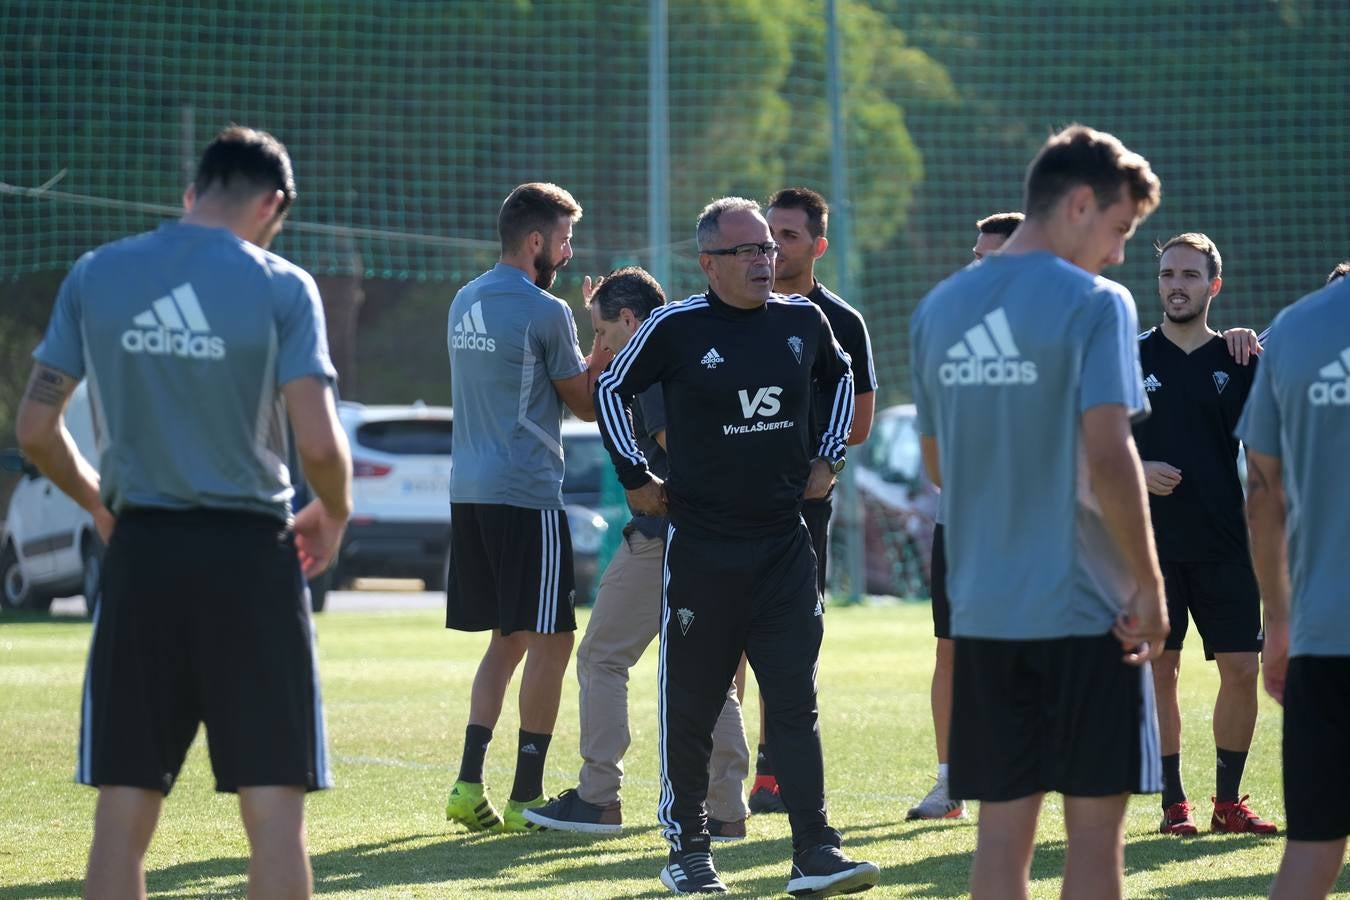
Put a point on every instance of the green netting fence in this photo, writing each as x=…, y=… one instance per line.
x=409, y=121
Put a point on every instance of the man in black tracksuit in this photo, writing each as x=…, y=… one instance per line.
x=736, y=367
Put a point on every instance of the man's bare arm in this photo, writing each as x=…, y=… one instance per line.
x=320, y=442
x=1266, y=512
x=1266, y=520
x=576, y=393
x=1117, y=479
x=931, y=464
x=43, y=437
x=322, y=446
x=864, y=410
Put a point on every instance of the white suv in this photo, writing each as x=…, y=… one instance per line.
x=50, y=548
x=401, y=461
x=400, y=523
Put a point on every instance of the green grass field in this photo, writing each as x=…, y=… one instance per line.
x=396, y=685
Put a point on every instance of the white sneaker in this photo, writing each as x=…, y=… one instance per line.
x=937, y=805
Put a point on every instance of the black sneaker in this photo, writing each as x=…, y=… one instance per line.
x=692, y=872
x=824, y=871
x=570, y=813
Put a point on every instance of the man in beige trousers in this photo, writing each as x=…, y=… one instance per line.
x=626, y=619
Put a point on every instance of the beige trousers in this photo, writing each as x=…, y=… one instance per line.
x=625, y=620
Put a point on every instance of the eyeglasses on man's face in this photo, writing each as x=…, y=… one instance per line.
x=747, y=251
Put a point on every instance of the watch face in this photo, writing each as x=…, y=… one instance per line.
x=837, y=466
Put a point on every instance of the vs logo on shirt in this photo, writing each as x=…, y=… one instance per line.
x=764, y=403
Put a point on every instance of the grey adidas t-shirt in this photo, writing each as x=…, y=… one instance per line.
x=1299, y=412
x=186, y=335
x=509, y=341
x=1007, y=354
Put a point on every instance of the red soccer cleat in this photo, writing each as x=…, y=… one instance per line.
x=1236, y=817
x=1177, y=819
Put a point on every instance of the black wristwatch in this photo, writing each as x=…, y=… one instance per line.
x=836, y=465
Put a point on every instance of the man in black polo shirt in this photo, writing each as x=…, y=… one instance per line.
x=737, y=368
x=798, y=219
x=1197, y=390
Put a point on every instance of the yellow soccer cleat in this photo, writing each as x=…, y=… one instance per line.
x=470, y=807
x=514, y=821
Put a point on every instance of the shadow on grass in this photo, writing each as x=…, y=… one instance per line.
x=1158, y=850
x=404, y=861
x=510, y=865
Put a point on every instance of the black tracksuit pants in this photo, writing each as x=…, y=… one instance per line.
x=724, y=597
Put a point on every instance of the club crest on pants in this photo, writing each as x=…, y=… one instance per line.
x=686, y=617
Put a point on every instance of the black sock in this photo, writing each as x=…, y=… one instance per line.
x=530, y=755
x=763, y=765
x=1172, y=789
x=476, y=740
x=1228, y=766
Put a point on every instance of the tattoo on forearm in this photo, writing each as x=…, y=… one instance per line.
x=47, y=386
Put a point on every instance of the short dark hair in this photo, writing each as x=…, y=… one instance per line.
x=1081, y=155
x=1197, y=241
x=1000, y=223
x=244, y=162
x=1342, y=269
x=631, y=287
x=808, y=201
x=536, y=206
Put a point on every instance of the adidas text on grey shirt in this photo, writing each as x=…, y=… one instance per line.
x=1007, y=354
x=1299, y=412
x=186, y=335
x=509, y=341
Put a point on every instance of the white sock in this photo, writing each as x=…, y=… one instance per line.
x=942, y=773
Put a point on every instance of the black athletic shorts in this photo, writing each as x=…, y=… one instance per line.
x=203, y=619
x=1224, y=600
x=937, y=578
x=510, y=570
x=1063, y=715
x=816, y=514
x=1316, y=748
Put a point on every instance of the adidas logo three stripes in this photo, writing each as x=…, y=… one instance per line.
x=174, y=325
x=1334, y=388
x=987, y=355
x=470, y=332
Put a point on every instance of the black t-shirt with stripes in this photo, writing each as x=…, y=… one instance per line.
x=738, y=387
x=851, y=332
x=1196, y=401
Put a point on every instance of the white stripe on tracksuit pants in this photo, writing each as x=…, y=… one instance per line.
x=721, y=598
